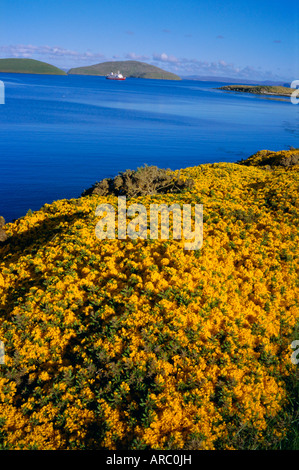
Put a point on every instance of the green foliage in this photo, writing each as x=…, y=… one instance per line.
x=147, y=180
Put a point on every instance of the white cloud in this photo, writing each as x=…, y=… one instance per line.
x=63, y=57
x=165, y=58
x=52, y=52
x=185, y=66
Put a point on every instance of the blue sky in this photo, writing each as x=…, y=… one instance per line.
x=257, y=39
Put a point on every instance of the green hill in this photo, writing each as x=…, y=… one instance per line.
x=129, y=68
x=28, y=66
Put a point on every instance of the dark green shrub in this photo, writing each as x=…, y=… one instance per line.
x=147, y=180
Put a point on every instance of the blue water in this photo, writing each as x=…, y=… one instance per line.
x=60, y=134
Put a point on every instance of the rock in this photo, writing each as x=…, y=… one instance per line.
x=3, y=235
x=290, y=160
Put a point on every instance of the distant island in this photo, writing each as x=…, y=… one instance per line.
x=129, y=68
x=28, y=66
x=260, y=89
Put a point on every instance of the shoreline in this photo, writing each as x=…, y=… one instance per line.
x=260, y=90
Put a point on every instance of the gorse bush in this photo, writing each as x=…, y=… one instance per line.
x=147, y=180
x=140, y=344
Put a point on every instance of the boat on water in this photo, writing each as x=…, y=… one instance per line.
x=115, y=76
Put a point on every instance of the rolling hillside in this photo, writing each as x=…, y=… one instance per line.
x=28, y=66
x=140, y=344
x=129, y=68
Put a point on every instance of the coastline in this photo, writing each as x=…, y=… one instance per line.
x=260, y=90
x=104, y=324
x=263, y=159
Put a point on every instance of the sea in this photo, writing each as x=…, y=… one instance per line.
x=61, y=134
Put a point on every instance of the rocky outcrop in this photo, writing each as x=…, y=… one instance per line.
x=290, y=160
x=3, y=235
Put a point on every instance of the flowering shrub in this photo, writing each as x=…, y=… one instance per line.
x=269, y=158
x=140, y=344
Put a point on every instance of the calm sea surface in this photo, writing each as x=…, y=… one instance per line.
x=60, y=134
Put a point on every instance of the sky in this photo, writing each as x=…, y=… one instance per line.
x=253, y=39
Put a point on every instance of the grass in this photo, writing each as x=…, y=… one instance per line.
x=28, y=66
